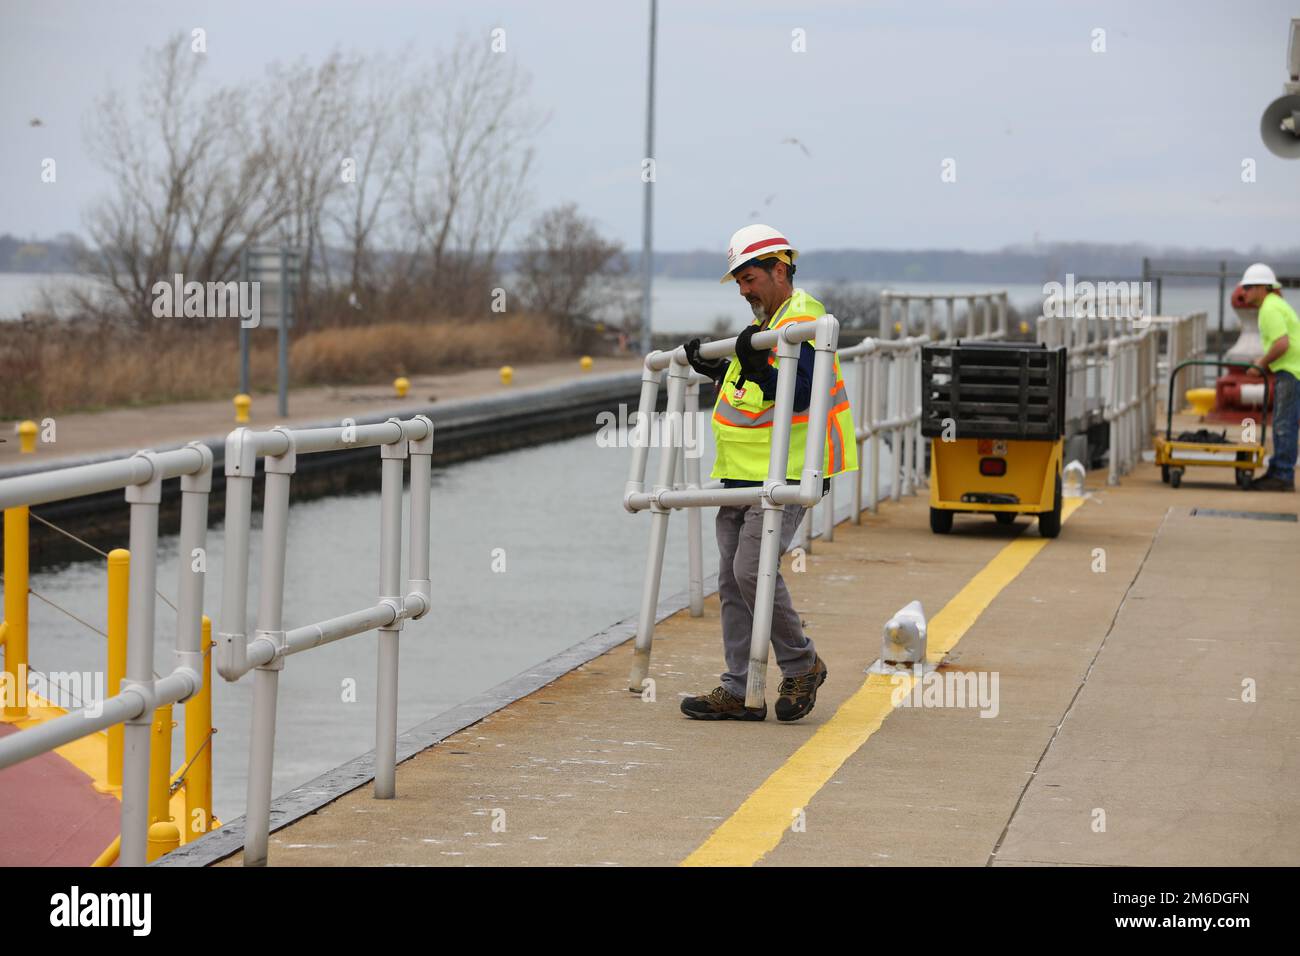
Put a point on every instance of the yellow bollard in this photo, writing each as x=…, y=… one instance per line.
x=1201, y=400
x=242, y=404
x=160, y=762
x=507, y=373
x=119, y=586
x=401, y=386
x=586, y=363
x=198, y=730
x=16, y=586
x=26, y=437
x=163, y=838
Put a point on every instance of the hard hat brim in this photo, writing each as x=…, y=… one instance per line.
x=731, y=276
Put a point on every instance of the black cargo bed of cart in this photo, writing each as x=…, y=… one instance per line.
x=1013, y=390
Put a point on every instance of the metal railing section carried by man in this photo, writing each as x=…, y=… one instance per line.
x=265, y=651
x=141, y=694
x=775, y=493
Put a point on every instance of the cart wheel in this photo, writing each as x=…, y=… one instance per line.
x=1244, y=478
x=1175, y=477
x=1164, y=474
x=1049, y=522
x=940, y=521
x=1005, y=517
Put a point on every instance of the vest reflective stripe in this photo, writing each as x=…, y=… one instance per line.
x=836, y=440
x=724, y=411
x=742, y=418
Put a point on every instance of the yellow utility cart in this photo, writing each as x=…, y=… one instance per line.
x=1205, y=449
x=995, y=414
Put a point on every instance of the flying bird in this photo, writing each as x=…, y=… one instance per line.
x=794, y=142
x=35, y=121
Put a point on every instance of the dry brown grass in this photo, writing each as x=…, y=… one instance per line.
x=50, y=366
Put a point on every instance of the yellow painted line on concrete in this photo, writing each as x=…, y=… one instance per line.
x=756, y=828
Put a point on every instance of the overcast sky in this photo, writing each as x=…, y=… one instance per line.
x=1144, y=142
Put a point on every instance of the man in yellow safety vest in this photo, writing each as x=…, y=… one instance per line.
x=1279, y=331
x=762, y=263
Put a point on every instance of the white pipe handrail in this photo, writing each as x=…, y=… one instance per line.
x=141, y=475
x=889, y=389
x=666, y=494
x=1132, y=385
x=264, y=652
x=982, y=307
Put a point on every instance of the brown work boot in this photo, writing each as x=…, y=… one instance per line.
x=720, y=704
x=799, y=694
x=1272, y=483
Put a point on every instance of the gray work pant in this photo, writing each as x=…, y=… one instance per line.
x=740, y=534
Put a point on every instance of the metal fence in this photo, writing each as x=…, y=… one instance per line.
x=1118, y=368
x=888, y=392
x=141, y=476
x=986, y=314
x=265, y=651
x=236, y=651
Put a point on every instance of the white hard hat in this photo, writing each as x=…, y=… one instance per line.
x=753, y=242
x=1260, y=274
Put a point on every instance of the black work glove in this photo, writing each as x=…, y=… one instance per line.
x=753, y=362
x=715, y=369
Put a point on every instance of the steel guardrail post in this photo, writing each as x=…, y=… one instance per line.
x=279, y=470
x=144, y=498
x=393, y=461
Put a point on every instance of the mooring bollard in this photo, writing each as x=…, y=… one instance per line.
x=26, y=437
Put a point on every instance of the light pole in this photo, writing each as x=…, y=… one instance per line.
x=648, y=175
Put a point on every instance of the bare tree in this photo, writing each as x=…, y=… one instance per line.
x=192, y=182
x=311, y=109
x=380, y=134
x=338, y=159
x=567, y=270
x=464, y=177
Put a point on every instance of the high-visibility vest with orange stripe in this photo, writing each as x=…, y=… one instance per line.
x=742, y=419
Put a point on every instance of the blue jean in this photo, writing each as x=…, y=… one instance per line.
x=1286, y=424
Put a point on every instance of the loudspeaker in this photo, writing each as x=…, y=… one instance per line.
x=1282, y=142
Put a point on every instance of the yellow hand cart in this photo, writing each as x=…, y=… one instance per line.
x=995, y=412
x=1204, y=449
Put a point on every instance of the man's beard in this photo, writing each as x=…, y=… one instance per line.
x=760, y=313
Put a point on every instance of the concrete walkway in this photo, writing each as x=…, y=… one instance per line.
x=1122, y=651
